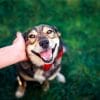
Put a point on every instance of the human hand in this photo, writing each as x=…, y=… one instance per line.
x=19, y=45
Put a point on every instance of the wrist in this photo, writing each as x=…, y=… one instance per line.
x=19, y=53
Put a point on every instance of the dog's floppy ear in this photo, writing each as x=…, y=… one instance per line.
x=25, y=35
x=59, y=34
x=56, y=30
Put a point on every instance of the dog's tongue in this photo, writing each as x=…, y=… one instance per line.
x=46, y=55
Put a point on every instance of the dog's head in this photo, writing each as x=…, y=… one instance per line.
x=42, y=44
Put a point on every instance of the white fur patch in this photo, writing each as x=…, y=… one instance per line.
x=19, y=94
x=61, y=78
x=39, y=76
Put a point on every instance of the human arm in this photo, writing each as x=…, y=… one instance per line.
x=14, y=53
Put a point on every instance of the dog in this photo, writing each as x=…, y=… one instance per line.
x=44, y=50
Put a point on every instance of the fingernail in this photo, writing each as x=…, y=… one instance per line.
x=18, y=33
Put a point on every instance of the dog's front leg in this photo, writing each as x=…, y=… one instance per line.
x=21, y=88
x=38, y=76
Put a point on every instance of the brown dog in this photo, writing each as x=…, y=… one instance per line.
x=44, y=49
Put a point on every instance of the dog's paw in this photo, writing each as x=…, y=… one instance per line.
x=39, y=76
x=20, y=91
x=40, y=79
x=19, y=94
x=61, y=78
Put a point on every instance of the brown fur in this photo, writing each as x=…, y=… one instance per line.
x=31, y=70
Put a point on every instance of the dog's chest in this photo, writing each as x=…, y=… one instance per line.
x=29, y=69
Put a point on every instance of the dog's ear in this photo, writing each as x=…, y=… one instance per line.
x=59, y=34
x=25, y=35
x=56, y=30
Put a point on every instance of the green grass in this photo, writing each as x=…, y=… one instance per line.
x=79, y=24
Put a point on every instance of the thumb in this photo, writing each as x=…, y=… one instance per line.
x=19, y=35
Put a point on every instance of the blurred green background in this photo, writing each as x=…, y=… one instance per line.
x=79, y=23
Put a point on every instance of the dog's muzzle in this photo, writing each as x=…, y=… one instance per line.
x=46, y=55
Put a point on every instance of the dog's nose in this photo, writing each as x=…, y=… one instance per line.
x=44, y=43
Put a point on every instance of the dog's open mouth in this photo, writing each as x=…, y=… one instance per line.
x=46, y=55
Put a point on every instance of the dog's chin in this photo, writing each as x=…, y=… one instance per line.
x=46, y=55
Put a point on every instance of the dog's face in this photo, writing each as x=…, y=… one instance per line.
x=42, y=44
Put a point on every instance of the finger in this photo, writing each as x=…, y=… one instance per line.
x=19, y=35
x=14, y=41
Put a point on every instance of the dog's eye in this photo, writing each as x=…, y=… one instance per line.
x=31, y=36
x=49, y=31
